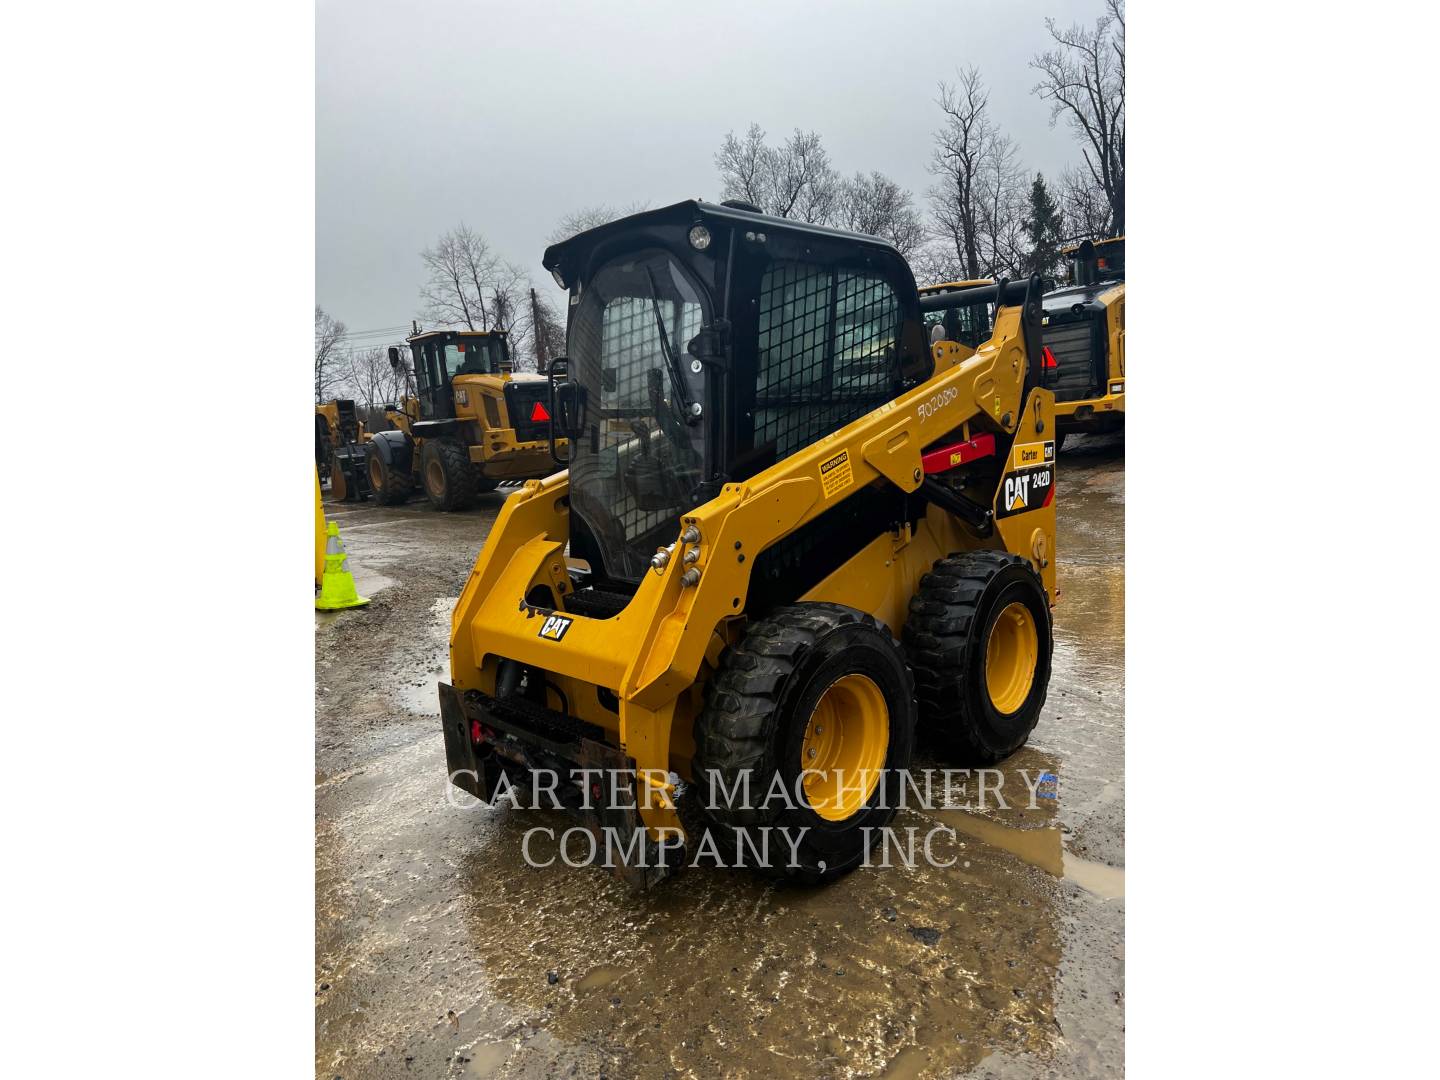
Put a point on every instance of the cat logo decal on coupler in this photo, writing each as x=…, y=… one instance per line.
x=554, y=627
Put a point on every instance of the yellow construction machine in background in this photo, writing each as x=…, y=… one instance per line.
x=471, y=423
x=1085, y=339
x=339, y=449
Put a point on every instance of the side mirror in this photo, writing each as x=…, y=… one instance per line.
x=567, y=405
x=395, y=361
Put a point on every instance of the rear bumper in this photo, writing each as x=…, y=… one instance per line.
x=590, y=772
x=505, y=459
x=1094, y=414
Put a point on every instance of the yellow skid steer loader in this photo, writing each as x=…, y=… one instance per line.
x=792, y=528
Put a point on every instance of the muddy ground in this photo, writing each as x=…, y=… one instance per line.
x=440, y=953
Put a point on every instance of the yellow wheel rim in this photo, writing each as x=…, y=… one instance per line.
x=435, y=475
x=1010, y=658
x=844, y=749
x=377, y=477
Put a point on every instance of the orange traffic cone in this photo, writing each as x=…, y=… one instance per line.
x=337, y=585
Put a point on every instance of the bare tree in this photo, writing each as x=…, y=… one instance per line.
x=471, y=287
x=1083, y=78
x=745, y=168
x=960, y=150
x=877, y=205
x=514, y=314
x=1083, y=205
x=794, y=179
x=547, y=330
x=1003, y=209
x=466, y=277
x=806, y=187
x=329, y=338
x=449, y=297
x=590, y=217
x=978, y=201
x=370, y=379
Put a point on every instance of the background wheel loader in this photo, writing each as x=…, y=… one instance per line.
x=1085, y=333
x=340, y=451
x=471, y=424
x=792, y=529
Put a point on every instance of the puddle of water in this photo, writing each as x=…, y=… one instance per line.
x=1104, y=881
x=923, y=970
x=486, y=1058
x=424, y=700
x=598, y=977
x=908, y=1064
x=1040, y=847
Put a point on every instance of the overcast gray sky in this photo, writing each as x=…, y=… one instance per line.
x=506, y=115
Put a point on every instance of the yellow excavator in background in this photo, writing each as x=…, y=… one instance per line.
x=470, y=423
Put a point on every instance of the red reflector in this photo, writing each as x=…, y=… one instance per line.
x=476, y=735
x=948, y=457
x=1049, y=357
x=461, y=346
x=539, y=412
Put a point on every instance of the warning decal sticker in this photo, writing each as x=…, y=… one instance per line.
x=835, y=474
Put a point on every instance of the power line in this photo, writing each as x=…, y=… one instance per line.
x=380, y=329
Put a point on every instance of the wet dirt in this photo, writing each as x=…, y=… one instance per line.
x=1001, y=955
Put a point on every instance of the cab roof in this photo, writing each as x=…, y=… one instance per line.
x=1097, y=243
x=457, y=333
x=559, y=258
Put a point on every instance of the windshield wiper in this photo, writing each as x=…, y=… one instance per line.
x=677, y=377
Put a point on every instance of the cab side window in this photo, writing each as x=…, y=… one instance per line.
x=828, y=351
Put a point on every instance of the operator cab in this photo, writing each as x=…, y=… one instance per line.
x=440, y=355
x=969, y=320
x=1094, y=261
x=705, y=343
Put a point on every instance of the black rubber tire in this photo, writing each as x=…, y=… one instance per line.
x=756, y=709
x=946, y=635
x=389, y=486
x=457, y=488
x=483, y=484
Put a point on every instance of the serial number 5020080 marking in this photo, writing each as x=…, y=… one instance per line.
x=927, y=409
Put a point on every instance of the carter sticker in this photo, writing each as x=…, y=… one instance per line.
x=1027, y=455
x=554, y=627
x=835, y=474
x=1029, y=489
